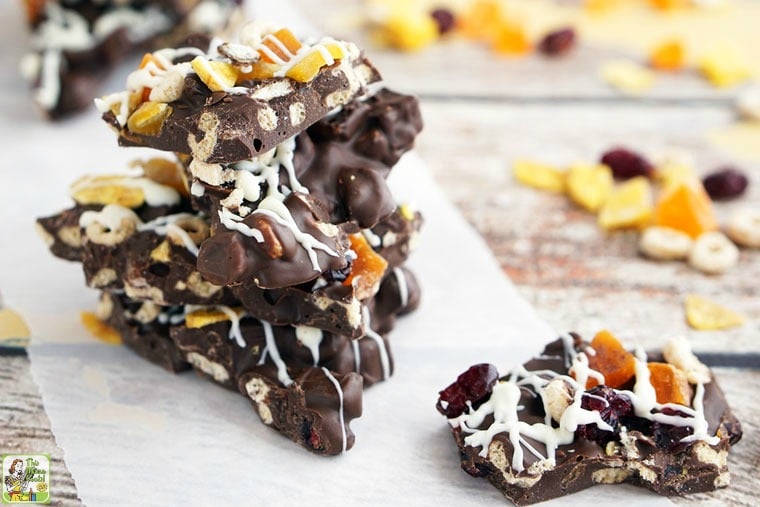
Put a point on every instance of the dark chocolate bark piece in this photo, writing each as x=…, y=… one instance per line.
x=342, y=161
x=144, y=328
x=552, y=437
x=190, y=110
x=314, y=409
x=75, y=45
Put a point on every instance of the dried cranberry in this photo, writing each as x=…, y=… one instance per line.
x=725, y=183
x=668, y=437
x=626, y=164
x=558, y=42
x=473, y=386
x=612, y=405
x=444, y=18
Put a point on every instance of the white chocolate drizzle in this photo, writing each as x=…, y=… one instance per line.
x=167, y=225
x=272, y=350
x=403, y=286
x=339, y=390
x=311, y=338
x=503, y=404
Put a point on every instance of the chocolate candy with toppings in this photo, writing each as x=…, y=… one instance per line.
x=539, y=434
x=233, y=101
x=75, y=45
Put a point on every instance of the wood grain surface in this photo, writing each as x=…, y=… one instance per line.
x=479, y=117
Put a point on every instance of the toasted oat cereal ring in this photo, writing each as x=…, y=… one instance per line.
x=665, y=243
x=744, y=227
x=713, y=253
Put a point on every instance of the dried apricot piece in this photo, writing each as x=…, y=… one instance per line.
x=686, y=207
x=482, y=20
x=670, y=56
x=670, y=384
x=100, y=329
x=511, y=38
x=367, y=269
x=629, y=205
x=706, y=315
x=308, y=67
x=538, y=175
x=665, y=5
x=611, y=360
x=279, y=47
x=589, y=185
x=259, y=70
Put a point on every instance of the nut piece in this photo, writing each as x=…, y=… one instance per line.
x=678, y=353
x=713, y=253
x=149, y=118
x=665, y=243
x=271, y=245
x=744, y=227
x=557, y=397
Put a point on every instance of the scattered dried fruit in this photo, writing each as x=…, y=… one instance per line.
x=670, y=384
x=482, y=20
x=511, y=38
x=611, y=360
x=725, y=183
x=612, y=406
x=744, y=227
x=279, y=47
x=706, y=315
x=445, y=20
x=627, y=76
x=664, y=243
x=589, y=185
x=471, y=386
x=686, y=207
x=166, y=172
x=408, y=30
x=107, y=190
x=724, y=67
x=558, y=42
x=367, y=269
x=629, y=205
x=206, y=317
x=538, y=175
x=668, y=56
x=626, y=164
x=100, y=329
x=713, y=253
x=148, y=119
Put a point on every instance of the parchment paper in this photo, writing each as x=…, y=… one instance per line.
x=133, y=434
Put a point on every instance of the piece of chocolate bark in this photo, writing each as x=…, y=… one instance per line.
x=232, y=101
x=76, y=44
x=144, y=328
x=554, y=426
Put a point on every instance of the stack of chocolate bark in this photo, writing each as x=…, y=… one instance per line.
x=75, y=43
x=268, y=255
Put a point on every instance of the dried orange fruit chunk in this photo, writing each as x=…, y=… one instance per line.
x=629, y=205
x=207, y=316
x=667, y=4
x=611, y=360
x=511, y=39
x=149, y=118
x=279, y=47
x=308, y=67
x=706, y=315
x=670, y=384
x=538, y=175
x=367, y=269
x=589, y=185
x=670, y=55
x=100, y=329
x=686, y=207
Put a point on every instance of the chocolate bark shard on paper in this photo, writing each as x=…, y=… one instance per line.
x=215, y=112
x=672, y=449
x=75, y=45
x=314, y=409
x=144, y=328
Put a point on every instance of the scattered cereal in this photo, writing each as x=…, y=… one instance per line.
x=744, y=227
x=664, y=243
x=713, y=253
